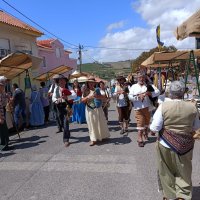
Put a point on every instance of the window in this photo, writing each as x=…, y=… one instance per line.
x=58, y=53
x=44, y=63
x=4, y=47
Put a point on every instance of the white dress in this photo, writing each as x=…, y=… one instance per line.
x=97, y=124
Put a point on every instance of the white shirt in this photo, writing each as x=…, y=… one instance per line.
x=158, y=121
x=137, y=89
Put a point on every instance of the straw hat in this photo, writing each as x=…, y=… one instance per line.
x=91, y=79
x=121, y=78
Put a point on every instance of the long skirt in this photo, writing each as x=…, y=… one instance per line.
x=97, y=124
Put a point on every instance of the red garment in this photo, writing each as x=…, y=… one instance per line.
x=66, y=92
x=78, y=92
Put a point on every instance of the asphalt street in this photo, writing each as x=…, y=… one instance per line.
x=41, y=168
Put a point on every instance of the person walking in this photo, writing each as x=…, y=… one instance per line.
x=140, y=98
x=176, y=121
x=96, y=121
x=60, y=98
x=123, y=103
x=45, y=101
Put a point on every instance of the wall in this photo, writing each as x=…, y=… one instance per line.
x=52, y=61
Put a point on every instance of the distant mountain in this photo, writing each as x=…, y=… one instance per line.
x=108, y=70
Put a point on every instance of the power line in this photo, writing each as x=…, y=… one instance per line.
x=126, y=49
x=38, y=24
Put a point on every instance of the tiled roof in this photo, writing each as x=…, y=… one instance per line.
x=45, y=43
x=10, y=20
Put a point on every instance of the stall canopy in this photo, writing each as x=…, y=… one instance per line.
x=189, y=28
x=49, y=74
x=167, y=57
x=16, y=63
x=77, y=74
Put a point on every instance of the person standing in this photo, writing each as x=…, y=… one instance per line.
x=60, y=98
x=45, y=100
x=123, y=103
x=3, y=126
x=176, y=121
x=51, y=93
x=36, y=108
x=78, y=107
x=98, y=129
x=140, y=98
x=19, y=105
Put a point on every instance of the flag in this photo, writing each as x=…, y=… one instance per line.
x=160, y=44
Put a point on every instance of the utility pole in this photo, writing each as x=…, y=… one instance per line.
x=80, y=47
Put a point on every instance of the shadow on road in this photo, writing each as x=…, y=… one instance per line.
x=196, y=193
x=116, y=141
x=24, y=143
x=151, y=140
x=80, y=139
x=3, y=155
x=79, y=130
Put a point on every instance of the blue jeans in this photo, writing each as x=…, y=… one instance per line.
x=19, y=110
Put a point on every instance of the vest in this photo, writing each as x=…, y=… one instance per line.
x=179, y=116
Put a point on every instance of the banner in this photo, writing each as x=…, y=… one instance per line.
x=160, y=44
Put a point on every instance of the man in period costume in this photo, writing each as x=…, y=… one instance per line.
x=139, y=95
x=123, y=104
x=176, y=121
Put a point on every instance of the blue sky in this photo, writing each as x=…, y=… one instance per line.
x=112, y=23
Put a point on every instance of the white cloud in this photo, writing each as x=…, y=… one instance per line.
x=169, y=14
x=116, y=25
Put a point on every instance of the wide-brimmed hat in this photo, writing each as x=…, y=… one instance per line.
x=91, y=79
x=121, y=78
x=57, y=76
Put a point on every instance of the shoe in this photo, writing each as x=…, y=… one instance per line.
x=140, y=144
x=66, y=144
x=92, y=143
x=152, y=133
x=122, y=132
x=59, y=131
x=126, y=130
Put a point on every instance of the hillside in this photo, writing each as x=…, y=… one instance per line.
x=108, y=70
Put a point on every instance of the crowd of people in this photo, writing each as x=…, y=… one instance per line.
x=173, y=119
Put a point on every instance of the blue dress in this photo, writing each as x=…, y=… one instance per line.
x=37, y=112
x=78, y=111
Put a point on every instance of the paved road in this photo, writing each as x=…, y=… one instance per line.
x=41, y=168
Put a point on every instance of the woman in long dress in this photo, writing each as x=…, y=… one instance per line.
x=36, y=108
x=97, y=124
x=78, y=107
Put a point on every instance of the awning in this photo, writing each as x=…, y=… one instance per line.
x=49, y=74
x=168, y=57
x=189, y=28
x=16, y=63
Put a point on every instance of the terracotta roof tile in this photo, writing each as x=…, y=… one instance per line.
x=45, y=43
x=10, y=20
